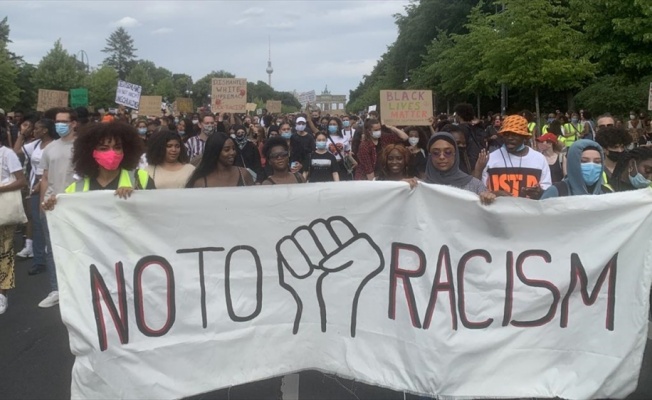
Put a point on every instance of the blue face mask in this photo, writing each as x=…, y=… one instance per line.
x=520, y=148
x=62, y=129
x=639, y=181
x=332, y=129
x=142, y=131
x=574, y=120
x=550, y=120
x=181, y=133
x=321, y=145
x=286, y=135
x=591, y=172
x=346, y=124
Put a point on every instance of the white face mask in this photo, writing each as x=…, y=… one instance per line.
x=413, y=141
x=300, y=128
x=375, y=134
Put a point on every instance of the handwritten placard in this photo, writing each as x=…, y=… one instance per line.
x=228, y=95
x=251, y=107
x=78, y=97
x=273, y=106
x=128, y=94
x=51, y=98
x=150, y=105
x=184, y=104
x=406, y=107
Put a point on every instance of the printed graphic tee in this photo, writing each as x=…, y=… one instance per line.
x=512, y=173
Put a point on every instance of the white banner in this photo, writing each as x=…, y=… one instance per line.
x=128, y=94
x=177, y=292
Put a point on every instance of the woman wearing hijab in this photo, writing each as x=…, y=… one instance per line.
x=444, y=168
x=585, y=172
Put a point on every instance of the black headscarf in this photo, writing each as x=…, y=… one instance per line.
x=453, y=177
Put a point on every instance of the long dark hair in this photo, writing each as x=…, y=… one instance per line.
x=208, y=164
x=638, y=154
x=48, y=124
x=157, y=147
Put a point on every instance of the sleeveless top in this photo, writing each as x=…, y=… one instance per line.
x=296, y=176
x=241, y=181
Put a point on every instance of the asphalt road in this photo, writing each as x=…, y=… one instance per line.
x=36, y=360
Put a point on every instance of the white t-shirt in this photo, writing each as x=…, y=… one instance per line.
x=511, y=173
x=34, y=153
x=57, y=160
x=10, y=164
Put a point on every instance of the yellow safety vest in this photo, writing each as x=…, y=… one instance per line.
x=531, y=126
x=571, y=130
x=605, y=181
x=126, y=180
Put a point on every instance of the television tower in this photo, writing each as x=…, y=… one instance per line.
x=269, y=70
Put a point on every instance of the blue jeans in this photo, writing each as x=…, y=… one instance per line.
x=38, y=238
x=49, y=258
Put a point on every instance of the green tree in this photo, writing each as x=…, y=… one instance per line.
x=121, y=51
x=182, y=82
x=10, y=91
x=28, y=91
x=422, y=22
x=141, y=75
x=58, y=70
x=102, y=84
x=614, y=95
x=618, y=35
x=533, y=46
x=165, y=88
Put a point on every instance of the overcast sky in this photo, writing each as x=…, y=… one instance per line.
x=314, y=43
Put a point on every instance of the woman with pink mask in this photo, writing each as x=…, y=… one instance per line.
x=106, y=156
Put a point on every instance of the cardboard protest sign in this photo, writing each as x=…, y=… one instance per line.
x=483, y=302
x=78, y=97
x=51, y=98
x=184, y=105
x=406, y=107
x=228, y=95
x=274, y=106
x=251, y=107
x=128, y=94
x=150, y=106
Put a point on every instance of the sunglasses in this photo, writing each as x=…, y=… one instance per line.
x=438, y=153
x=278, y=156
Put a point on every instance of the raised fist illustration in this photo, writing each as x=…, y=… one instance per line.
x=325, y=266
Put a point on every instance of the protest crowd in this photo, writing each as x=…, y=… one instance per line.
x=65, y=150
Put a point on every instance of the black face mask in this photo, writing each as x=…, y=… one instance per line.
x=615, y=156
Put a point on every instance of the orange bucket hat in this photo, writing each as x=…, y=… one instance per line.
x=515, y=124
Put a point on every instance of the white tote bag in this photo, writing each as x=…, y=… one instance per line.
x=11, y=203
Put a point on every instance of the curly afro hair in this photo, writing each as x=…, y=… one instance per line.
x=92, y=135
x=612, y=136
x=273, y=142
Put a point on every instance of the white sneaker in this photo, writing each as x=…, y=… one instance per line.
x=3, y=303
x=26, y=252
x=51, y=300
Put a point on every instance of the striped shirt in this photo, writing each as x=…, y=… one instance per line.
x=195, y=146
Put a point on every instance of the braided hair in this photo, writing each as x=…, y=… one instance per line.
x=638, y=154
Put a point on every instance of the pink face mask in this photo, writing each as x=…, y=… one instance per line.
x=109, y=159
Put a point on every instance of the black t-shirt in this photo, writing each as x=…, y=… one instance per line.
x=301, y=148
x=113, y=185
x=322, y=167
